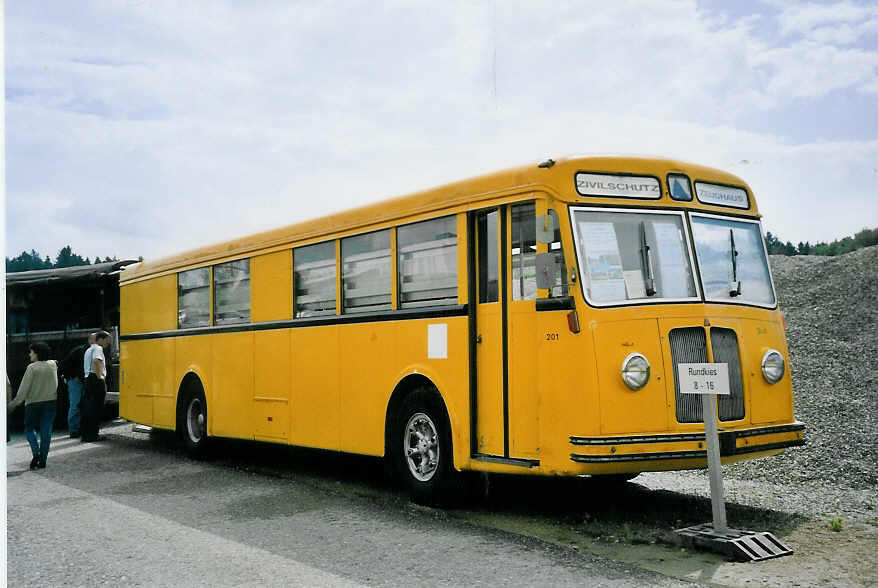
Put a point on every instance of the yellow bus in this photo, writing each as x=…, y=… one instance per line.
x=528, y=321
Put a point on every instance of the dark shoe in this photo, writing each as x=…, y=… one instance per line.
x=34, y=462
x=41, y=464
x=74, y=434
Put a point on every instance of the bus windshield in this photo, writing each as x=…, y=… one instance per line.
x=731, y=257
x=633, y=256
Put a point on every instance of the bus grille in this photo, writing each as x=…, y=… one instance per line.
x=689, y=345
x=724, y=343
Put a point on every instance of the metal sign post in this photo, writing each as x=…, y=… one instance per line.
x=714, y=465
x=708, y=380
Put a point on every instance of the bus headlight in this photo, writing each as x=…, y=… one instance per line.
x=773, y=366
x=635, y=371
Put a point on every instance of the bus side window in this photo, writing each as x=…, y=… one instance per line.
x=524, y=252
x=427, y=262
x=231, y=292
x=561, y=289
x=486, y=231
x=193, y=298
x=314, y=279
x=366, y=272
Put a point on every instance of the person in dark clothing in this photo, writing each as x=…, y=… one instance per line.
x=72, y=367
x=95, y=368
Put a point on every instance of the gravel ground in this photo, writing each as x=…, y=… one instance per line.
x=831, y=308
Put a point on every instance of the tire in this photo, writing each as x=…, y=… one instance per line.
x=192, y=421
x=422, y=450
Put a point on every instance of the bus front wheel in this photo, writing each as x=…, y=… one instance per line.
x=192, y=421
x=422, y=449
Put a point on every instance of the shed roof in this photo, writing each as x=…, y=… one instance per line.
x=78, y=273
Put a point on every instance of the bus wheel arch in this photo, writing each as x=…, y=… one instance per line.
x=192, y=415
x=418, y=441
x=404, y=387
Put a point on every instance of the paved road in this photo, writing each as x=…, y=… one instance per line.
x=134, y=511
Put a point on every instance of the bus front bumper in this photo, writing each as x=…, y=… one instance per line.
x=647, y=452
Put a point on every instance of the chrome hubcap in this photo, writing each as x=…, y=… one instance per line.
x=421, y=446
x=195, y=420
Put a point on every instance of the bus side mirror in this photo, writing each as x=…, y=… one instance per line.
x=547, y=271
x=546, y=225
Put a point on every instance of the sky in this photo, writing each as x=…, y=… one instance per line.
x=144, y=128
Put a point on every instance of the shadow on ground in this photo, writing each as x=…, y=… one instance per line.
x=623, y=511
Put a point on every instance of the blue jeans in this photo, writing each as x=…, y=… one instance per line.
x=39, y=416
x=74, y=392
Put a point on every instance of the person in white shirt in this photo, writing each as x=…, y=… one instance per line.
x=95, y=369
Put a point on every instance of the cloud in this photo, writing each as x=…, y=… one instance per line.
x=810, y=69
x=188, y=123
x=835, y=22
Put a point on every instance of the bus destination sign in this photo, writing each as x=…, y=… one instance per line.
x=703, y=378
x=721, y=195
x=617, y=186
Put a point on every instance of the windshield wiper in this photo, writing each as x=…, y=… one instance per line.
x=645, y=262
x=735, y=286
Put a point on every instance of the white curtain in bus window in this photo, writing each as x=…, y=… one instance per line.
x=193, y=298
x=603, y=262
x=427, y=263
x=231, y=292
x=366, y=272
x=676, y=275
x=626, y=253
x=714, y=238
x=314, y=279
x=524, y=252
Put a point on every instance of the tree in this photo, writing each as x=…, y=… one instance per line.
x=846, y=245
x=66, y=258
x=822, y=248
x=866, y=237
x=773, y=244
x=33, y=261
x=27, y=261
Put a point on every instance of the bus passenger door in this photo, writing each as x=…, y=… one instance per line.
x=487, y=228
x=522, y=338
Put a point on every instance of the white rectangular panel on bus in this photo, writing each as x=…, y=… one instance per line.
x=437, y=341
x=721, y=195
x=617, y=186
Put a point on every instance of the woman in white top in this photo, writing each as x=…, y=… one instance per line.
x=38, y=392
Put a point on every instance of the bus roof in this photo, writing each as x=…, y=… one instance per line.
x=557, y=179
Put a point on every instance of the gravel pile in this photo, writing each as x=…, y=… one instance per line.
x=831, y=308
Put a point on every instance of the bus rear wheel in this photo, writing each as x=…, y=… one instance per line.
x=192, y=421
x=422, y=450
